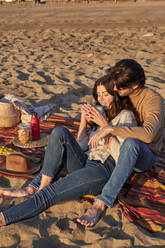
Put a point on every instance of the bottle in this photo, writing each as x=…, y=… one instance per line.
x=35, y=127
x=100, y=109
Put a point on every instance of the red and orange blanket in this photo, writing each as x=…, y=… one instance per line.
x=143, y=197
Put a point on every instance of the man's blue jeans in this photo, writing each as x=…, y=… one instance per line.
x=86, y=176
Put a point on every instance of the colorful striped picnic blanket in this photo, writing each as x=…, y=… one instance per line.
x=143, y=196
x=46, y=126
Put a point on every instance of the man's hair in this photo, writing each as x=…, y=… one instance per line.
x=127, y=73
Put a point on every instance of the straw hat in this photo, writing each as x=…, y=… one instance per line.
x=17, y=164
x=9, y=116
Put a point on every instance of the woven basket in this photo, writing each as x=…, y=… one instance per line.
x=9, y=116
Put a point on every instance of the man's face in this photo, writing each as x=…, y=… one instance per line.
x=125, y=91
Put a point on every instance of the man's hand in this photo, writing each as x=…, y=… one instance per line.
x=99, y=135
x=108, y=139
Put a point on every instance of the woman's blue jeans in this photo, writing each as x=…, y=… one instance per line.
x=86, y=176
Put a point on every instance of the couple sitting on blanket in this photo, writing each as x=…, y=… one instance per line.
x=99, y=162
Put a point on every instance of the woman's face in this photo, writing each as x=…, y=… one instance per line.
x=103, y=97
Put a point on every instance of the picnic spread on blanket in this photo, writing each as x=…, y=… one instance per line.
x=142, y=199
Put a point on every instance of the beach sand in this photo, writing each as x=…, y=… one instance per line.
x=53, y=53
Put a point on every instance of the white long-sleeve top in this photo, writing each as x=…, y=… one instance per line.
x=124, y=118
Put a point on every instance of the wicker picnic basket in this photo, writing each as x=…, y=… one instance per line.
x=9, y=116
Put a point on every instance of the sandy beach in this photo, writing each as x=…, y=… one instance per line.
x=53, y=53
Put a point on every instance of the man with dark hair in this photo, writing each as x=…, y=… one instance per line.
x=141, y=142
x=127, y=73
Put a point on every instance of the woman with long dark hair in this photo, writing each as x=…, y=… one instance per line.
x=88, y=167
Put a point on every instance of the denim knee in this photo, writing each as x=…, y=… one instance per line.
x=58, y=132
x=131, y=144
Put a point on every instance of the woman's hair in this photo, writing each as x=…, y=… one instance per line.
x=118, y=104
x=127, y=73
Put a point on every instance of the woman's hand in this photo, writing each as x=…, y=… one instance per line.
x=93, y=115
x=82, y=131
x=102, y=133
x=84, y=114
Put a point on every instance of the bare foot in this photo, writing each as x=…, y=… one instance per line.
x=45, y=180
x=5, y=193
x=2, y=221
x=93, y=214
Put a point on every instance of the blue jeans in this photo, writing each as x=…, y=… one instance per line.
x=87, y=176
x=134, y=154
x=63, y=151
